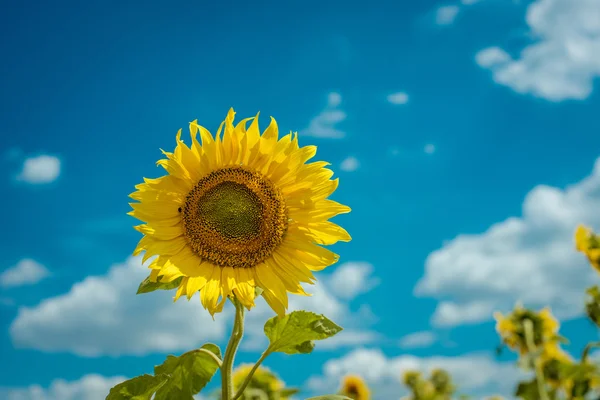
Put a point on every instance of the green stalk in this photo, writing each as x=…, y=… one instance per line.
x=528, y=325
x=587, y=349
x=234, y=341
x=240, y=391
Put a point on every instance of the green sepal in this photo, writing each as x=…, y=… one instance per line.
x=148, y=286
x=139, y=388
x=294, y=333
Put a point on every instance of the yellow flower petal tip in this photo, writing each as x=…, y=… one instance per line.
x=238, y=210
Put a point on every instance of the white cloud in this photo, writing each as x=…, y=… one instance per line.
x=530, y=259
x=351, y=279
x=418, y=340
x=429, y=148
x=473, y=373
x=40, y=169
x=349, y=164
x=491, y=57
x=451, y=314
x=329, y=299
x=446, y=15
x=564, y=59
x=103, y=315
x=26, y=272
x=324, y=124
x=89, y=387
x=398, y=98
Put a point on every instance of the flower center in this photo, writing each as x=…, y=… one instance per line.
x=234, y=217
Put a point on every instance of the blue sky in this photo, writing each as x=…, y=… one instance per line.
x=464, y=134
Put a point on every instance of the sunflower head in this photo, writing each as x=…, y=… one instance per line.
x=355, y=387
x=237, y=211
x=511, y=328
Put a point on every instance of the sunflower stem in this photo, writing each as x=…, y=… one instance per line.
x=234, y=341
x=241, y=389
x=539, y=374
x=586, y=350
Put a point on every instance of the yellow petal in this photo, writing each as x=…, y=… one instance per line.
x=194, y=284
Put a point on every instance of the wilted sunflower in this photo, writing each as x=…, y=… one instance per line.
x=512, y=329
x=587, y=243
x=355, y=387
x=239, y=211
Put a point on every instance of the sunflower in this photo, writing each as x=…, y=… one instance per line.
x=236, y=212
x=587, y=243
x=355, y=387
x=512, y=329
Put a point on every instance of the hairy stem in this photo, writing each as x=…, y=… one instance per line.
x=528, y=325
x=234, y=341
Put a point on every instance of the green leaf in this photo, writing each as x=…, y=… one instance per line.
x=188, y=374
x=148, y=286
x=330, y=397
x=139, y=388
x=288, y=392
x=295, y=332
x=528, y=390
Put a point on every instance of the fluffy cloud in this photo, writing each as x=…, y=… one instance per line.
x=562, y=62
x=26, y=272
x=418, y=340
x=446, y=15
x=530, y=258
x=398, y=98
x=324, y=124
x=349, y=164
x=473, y=373
x=89, y=387
x=40, y=169
x=351, y=279
x=102, y=315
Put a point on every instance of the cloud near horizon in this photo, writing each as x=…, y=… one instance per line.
x=530, y=258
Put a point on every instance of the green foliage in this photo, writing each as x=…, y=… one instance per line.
x=148, y=286
x=295, y=332
x=139, y=388
x=330, y=397
x=528, y=390
x=178, y=378
x=288, y=392
x=592, y=304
